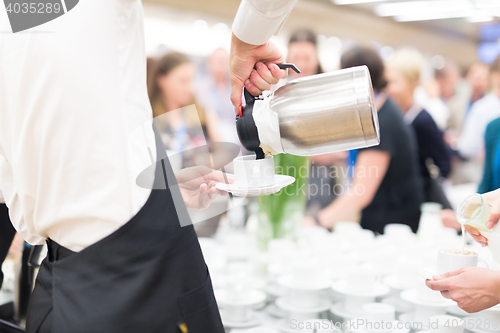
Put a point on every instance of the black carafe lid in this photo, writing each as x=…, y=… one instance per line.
x=245, y=124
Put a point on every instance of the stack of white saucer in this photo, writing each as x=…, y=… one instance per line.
x=362, y=286
x=376, y=318
x=427, y=303
x=445, y=324
x=486, y=321
x=306, y=296
x=237, y=303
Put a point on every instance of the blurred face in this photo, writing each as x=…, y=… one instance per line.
x=218, y=64
x=305, y=56
x=399, y=88
x=448, y=83
x=177, y=86
x=478, y=77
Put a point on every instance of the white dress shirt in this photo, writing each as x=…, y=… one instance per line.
x=257, y=20
x=71, y=93
x=480, y=115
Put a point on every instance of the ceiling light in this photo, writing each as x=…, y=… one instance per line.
x=350, y=2
x=424, y=7
x=481, y=18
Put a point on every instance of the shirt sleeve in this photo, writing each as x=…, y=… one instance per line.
x=257, y=20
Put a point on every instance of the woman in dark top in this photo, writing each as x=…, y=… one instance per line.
x=403, y=74
x=386, y=185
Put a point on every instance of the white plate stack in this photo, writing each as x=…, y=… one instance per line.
x=237, y=303
x=486, y=321
x=307, y=296
x=361, y=287
x=427, y=303
x=376, y=318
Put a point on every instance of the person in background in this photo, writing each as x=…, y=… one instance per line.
x=387, y=173
x=303, y=52
x=170, y=87
x=491, y=173
x=447, y=79
x=435, y=95
x=213, y=93
x=473, y=89
x=471, y=142
x=477, y=82
x=403, y=73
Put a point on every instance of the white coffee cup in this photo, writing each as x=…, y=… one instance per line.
x=261, y=330
x=354, y=304
x=446, y=324
x=237, y=313
x=305, y=298
x=250, y=172
x=490, y=319
x=302, y=316
x=378, y=313
x=319, y=326
x=449, y=261
x=424, y=312
x=362, y=279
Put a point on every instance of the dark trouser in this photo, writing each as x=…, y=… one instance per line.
x=7, y=233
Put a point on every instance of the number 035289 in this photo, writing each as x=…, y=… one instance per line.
x=34, y=8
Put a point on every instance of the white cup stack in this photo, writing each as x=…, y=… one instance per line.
x=319, y=326
x=446, y=324
x=427, y=303
x=361, y=287
x=237, y=302
x=376, y=318
x=484, y=321
x=261, y=330
x=307, y=287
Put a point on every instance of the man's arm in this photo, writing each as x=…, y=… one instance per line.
x=253, y=58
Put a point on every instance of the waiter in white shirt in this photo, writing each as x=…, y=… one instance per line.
x=119, y=260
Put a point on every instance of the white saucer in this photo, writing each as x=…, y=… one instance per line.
x=411, y=295
x=275, y=291
x=274, y=311
x=393, y=282
x=427, y=272
x=472, y=323
x=361, y=329
x=342, y=287
x=400, y=304
x=454, y=310
x=254, y=320
x=283, y=304
x=280, y=181
x=339, y=311
x=251, y=298
x=320, y=283
x=409, y=318
x=284, y=326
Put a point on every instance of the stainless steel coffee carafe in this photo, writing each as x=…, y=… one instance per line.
x=318, y=114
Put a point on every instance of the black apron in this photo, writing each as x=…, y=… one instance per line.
x=147, y=277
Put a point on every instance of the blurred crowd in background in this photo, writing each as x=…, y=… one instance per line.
x=445, y=131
